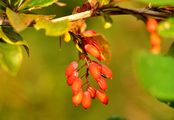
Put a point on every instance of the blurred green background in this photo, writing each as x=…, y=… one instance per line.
x=40, y=92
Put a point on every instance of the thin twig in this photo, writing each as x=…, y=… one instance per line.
x=75, y=17
x=114, y=10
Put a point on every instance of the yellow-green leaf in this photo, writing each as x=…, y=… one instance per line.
x=36, y=4
x=22, y=21
x=8, y=35
x=52, y=28
x=10, y=57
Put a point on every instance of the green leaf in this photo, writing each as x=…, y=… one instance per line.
x=52, y=28
x=156, y=74
x=2, y=4
x=8, y=35
x=158, y=2
x=36, y=4
x=22, y=21
x=10, y=57
x=171, y=50
x=166, y=28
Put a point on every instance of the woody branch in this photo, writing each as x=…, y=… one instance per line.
x=157, y=13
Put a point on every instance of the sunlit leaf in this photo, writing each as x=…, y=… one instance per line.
x=155, y=73
x=158, y=2
x=52, y=28
x=166, y=28
x=10, y=36
x=22, y=21
x=36, y=4
x=10, y=57
x=103, y=2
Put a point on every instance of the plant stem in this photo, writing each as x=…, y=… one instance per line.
x=157, y=13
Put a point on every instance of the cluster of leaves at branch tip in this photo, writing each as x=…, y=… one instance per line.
x=19, y=21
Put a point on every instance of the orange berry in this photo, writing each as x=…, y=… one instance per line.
x=92, y=91
x=89, y=33
x=102, y=97
x=106, y=71
x=102, y=83
x=86, y=100
x=71, y=68
x=92, y=50
x=155, y=39
x=77, y=98
x=155, y=49
x=151, y=25
x=77, y=85
x=101, y=57
x=95, y=69
x=72, y=78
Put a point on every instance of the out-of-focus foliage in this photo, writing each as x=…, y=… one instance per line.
x=166, y=28
x=156, y=74
x=158, y=2
x=10, y=57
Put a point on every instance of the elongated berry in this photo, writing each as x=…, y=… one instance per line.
x=77, y=85
x=89, y=33
x=155, y=49
x=101, y=57
x=92, y=91
x=95, y=70
x=77, y=98
x=102, y=83
x=86, y=100
x=72, y=78
x=106, y=71
x=71, y=68
x=102, y=96
x=151, y=25
x=155, y=39
x=92, y=50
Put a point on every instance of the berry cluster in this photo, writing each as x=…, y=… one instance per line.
x=155, y=40
x=84, y=92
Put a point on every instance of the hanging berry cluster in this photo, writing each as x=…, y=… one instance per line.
x=83, y=92
x=155, y=40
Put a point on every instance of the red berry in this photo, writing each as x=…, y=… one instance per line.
x=151, y=25
x=72, y=78
x=71, y=68
x=92, y=91
x=102, y=83
x=92, y=50
x=86, y=100
x=102, y=97
x=77, y=85
x=95, y=70
x=101, y=57
x=89, y=33
x=155, y=49
x=106, y=71
x=155, y=39
x=77, y=98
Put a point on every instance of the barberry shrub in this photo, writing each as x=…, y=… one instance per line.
x=153, y=68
